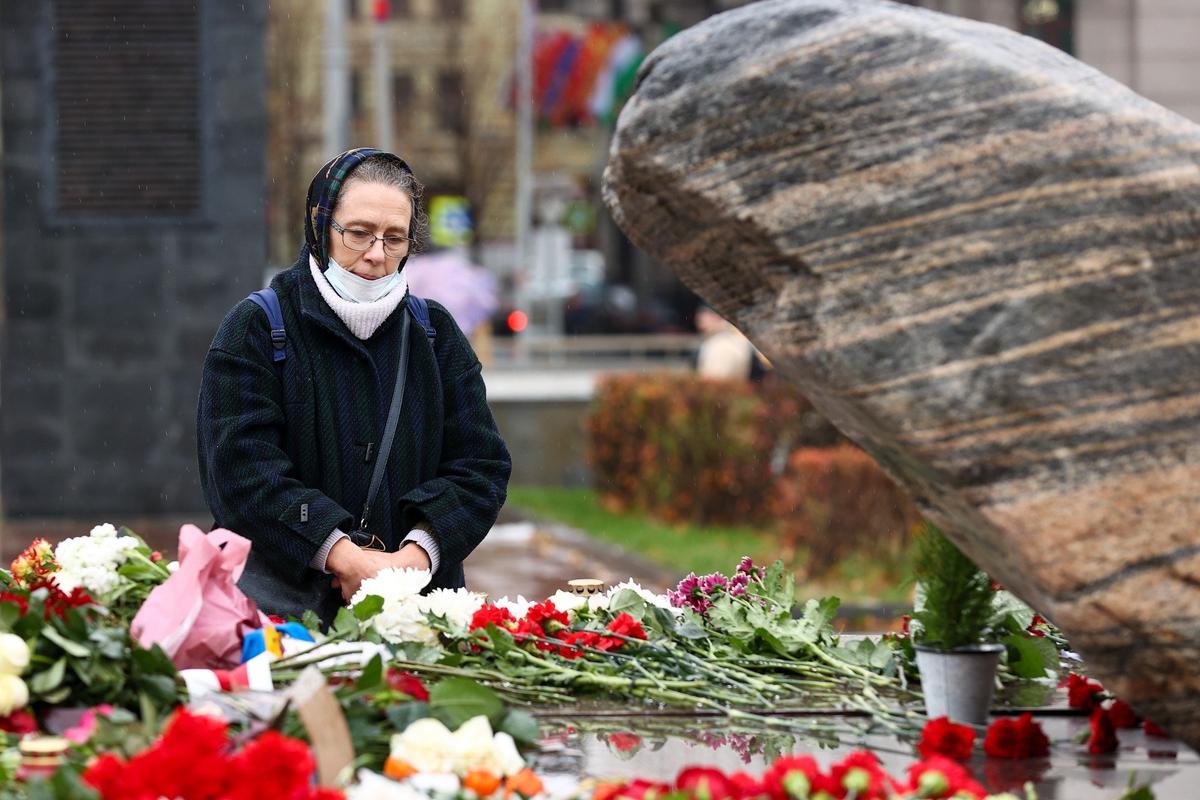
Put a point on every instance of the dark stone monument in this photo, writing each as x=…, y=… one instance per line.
x=133, y=220
x=980, y=259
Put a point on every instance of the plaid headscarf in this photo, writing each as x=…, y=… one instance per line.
x=323, y=192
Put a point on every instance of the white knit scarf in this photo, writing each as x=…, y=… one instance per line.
x=363, y=319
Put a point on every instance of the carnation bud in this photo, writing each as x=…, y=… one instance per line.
x=796, y=784
x=857, y=780
x=932, y=783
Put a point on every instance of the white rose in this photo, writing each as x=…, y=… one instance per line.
x=508, y=757
x=14, y=654
x=427, y=745
x=476, y=747
x=14, y=694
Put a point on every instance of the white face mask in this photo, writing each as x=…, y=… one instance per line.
x=360, y=290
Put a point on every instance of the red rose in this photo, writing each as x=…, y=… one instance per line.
x=18, y=722
x=942, y=737
x=407, y=683
x=624, y=742
x=1122, y=714
x=1153, y=730
x=1081, y=692
x=705, y=782
x=940, y=777
x=1104, y=735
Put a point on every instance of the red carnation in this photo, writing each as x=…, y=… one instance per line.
x=1104, y=735
x=746, y=786
x=940, y=777
x=489, y=614
x=625, y=625
x=640, y=789
x=1016, y=738
x=945, y=738
x=787, y=771
x=406, y=683
x=705, y=782
x=861, y=775
x=1082, y=692
x=576, y=640
x=1153, y=730
x=547, y=617
x=1122, y=714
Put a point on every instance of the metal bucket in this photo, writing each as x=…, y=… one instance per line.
x=958, y=683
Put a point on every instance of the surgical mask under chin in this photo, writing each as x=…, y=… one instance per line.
x=360, y=290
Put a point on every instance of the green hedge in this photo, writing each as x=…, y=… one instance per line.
x=689, y=449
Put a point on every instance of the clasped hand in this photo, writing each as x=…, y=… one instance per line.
x=351, y=565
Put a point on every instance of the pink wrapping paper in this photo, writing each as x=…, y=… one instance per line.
x=199, y=615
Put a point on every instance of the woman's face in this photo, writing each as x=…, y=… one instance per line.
x=376, y=208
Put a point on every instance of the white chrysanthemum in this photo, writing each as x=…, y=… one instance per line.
x=393, y=583
x=92, y=561
x=568, y=602
x=402, y=618
x=650, y=597
x=456, y=605
x=518, y=607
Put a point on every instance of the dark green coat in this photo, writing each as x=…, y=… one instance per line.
x=284, y=457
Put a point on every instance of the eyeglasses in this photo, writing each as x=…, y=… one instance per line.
x=355, y=239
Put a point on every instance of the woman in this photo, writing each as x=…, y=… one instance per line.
x=288, y=447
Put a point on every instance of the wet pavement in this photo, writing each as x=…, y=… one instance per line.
x=623, y=749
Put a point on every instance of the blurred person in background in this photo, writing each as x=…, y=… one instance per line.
x=725, y=353
x=287, y=448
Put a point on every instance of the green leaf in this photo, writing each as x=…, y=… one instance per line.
x=521, y=726
x=456, y=700
x=69, y=647
x=57, y=696
x=629, y=602
x=690, y=630
x=501, y=639
x=310, y=620
x=346, y=623
x=404, y=714
x=368, y=607
x=1029, y=656
x=372, y=674
x=48, y=679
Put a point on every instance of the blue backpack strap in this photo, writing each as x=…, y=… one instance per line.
x=420, y=311
x=268, y=301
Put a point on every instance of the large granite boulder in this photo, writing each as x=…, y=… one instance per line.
x=979, y=258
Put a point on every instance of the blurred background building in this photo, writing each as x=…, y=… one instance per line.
x=156, y=157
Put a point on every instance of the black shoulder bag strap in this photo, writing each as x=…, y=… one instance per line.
x=389, y=431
